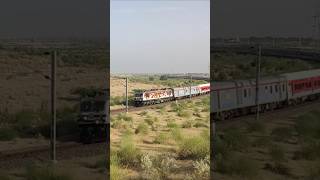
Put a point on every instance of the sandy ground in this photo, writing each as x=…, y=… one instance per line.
x=24, y=82
x=76, y=169
x=146, y=142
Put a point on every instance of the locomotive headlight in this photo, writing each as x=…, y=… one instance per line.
x=85, y=118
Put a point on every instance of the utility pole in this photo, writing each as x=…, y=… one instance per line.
x=53, y=105
x=127, y=108
x=258, y=61
x=190, y=86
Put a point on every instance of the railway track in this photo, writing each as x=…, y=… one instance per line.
x=21, y=158
x=133, y=108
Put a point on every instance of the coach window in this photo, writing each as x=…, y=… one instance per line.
x=250, y=92
x=245, y=93
x=282, y=87
x=266, y=88
x=276, y=88
x=270, y=89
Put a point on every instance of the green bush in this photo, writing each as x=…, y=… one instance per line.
x=277, y=153
x=142, y=129
x=187, y=124
x=201, y=124
x=176, y=134
x=282, y=134
x=184, y=114
x=172, y=124
x=48, y=173
x=161, y=138
x=26, y=123
x=237, y=165
x=117, y=100
x=124, y=116
x=128, y=154
x=7, y=134
x=256, y=126
x=236, y=140
x=4, y=177
x=263, y=141
x=308, y=125
x=309, y=150
x=195, y=147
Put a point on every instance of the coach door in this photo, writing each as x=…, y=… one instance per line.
x=239, y=91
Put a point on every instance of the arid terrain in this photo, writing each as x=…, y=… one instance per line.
x=169, y=141
x=25, y=96
x=281, y=145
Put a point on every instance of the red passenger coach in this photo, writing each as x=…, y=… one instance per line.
x=301, y=85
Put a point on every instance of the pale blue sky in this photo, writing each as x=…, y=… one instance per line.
x=159, y=36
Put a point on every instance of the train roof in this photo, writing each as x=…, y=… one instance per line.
x=302, y=74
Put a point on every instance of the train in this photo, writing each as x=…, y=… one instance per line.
x=93, y=120
x=235, y=98
x=156, y=96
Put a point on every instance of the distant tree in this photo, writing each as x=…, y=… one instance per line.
x=163, y=77
x=151, y=78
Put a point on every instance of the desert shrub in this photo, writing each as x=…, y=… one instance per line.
x=187, y=124
x=202, y=168
x=176, y=134
x=149, y=121
x=26, y=123
x=142, y=129
x=309, y=150
x=195, y=147
x=277, y=156
x=184, y=114
x=308, y=125
x=282, y=134
x=4, y=177
x=143, y=113
x=206, y=109
x=238, y=165
x=313, y=172
x=200, y=124
x=48, y=173
x=277, y=153
x=278, y=168
x=7, y=134
x=157, y=167
x=117, y=100
x=161, y=138
x=263, y=141
x=148, y=169
x=117, y=173
x=128, y=154
x=172, y=124
x=117, y=124
x=166, y=164
x=256, y=126
x=236, y=140
x=220, y=147
x=124, y=116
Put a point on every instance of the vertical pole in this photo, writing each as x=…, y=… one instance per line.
x=258, y=82
x=190, y=86
x=126, y=94
x=53, y=105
